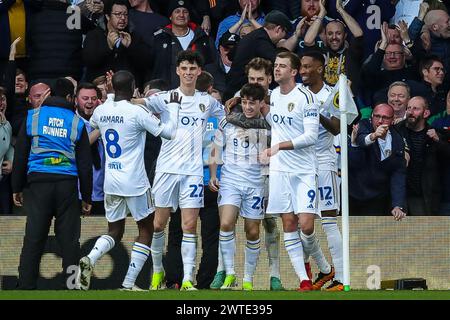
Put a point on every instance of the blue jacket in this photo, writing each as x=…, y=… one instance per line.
x=54, y=132
x=68, y=155
x=369, y=177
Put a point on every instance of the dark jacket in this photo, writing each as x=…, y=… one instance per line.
x=99, y=58
x=371, y=178
x=166, y=48
x=82, y=156
x=375, y=78
x=430, y=181
x=217, y=70
x=54, y=49
x=256, y=44
x=5, y=32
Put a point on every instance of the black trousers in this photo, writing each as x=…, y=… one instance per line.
x=42, y=202
x=210, y=226
x=5, y=195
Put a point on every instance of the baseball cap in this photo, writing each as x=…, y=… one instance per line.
x=229, y=39
x=174, y=4
x=280, y=19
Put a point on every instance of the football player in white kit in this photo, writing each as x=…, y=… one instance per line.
x=311, y=71
x=241, y=187
x=259, y=71
x=294, y=117
x=179, y=169
x=123, y=129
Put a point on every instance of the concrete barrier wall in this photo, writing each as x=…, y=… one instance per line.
x=380, y=249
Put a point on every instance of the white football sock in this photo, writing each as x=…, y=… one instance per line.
x=294, y=247
x=220, y=266
x=101, y=247
x=139, y=254
x=272, y=242
x=188, y=254
x=157, y=248
x=334, y=238
x=311, y=246
x=252, y=250
x=228, y=248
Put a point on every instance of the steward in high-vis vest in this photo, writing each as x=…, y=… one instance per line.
x=53, y=153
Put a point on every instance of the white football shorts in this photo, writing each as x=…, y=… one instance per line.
x=328, y=190
x=177, y=190
x=250, y=201
x=290, y=192
x=118, y=207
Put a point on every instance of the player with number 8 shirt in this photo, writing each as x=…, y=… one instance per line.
x=123, y=129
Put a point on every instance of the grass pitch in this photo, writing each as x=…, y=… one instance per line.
x=223, y=295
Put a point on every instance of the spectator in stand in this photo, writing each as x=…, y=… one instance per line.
x=86, y=100
x=442, y=125
x=341, y=56
x=16, y=85
x=100, y=83
x=200, y=12
x=437, y=22
x=432, y=86
x=6, y=157
x=93, y=11
x=116, y=48
x=387, y=65
x=219, y=70
x=377, y=166
x=181, y=34
x=426, y=146
x=249, y=10
x=369, y=14
x=398, y=97
x=260, y=43
x=14, y=23
x=145, y=20
x=54, y=41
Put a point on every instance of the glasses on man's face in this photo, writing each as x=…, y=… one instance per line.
x=438, y=69
x=393, y=53
x=379, y=116
x=120, y=14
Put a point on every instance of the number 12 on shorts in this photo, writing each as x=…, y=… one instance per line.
x=197, y=190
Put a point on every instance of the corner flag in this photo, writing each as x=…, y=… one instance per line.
x=341, y=100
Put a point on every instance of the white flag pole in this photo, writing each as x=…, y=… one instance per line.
x=344, y=180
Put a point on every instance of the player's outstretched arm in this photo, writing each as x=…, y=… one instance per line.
x=240, y=120
x=169, y=128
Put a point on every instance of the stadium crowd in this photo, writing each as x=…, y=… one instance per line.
x=394, y=53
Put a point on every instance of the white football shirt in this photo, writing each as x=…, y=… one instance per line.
x=326, y=153
x=123, y=128
x=240, y=157
x=288, y=114
x=183, y=155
